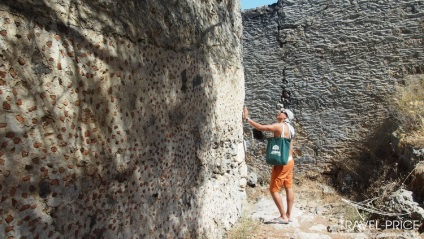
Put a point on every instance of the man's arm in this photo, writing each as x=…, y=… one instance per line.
x=260, y=127
x=263, y=127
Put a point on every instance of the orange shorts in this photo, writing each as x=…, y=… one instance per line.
x=281, y=176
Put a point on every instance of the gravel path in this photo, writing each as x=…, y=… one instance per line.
x=311, y=218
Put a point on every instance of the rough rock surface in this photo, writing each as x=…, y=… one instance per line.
x=117, y=118
x=335, y=64
x=402, y=201
x=417, y=184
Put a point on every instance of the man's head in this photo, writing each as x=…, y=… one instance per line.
x=286, y=114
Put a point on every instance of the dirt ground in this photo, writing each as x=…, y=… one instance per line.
x=319, y=213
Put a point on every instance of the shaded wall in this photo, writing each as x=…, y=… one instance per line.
x=117, y=119
x=335, y=64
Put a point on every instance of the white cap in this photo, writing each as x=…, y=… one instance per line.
x=289, y=113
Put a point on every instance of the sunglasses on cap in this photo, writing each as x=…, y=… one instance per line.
x=283, y=111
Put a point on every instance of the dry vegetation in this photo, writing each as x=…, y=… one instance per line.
x=375, y=171
x=245, y=228
x=409, y=110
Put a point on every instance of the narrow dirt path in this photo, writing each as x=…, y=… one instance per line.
x=308, y=222
x=317, y=209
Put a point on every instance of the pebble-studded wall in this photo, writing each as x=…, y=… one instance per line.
x=119, y=119
x=335, y=64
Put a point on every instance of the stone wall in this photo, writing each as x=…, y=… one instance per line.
x=335, y=64
x=117, y=118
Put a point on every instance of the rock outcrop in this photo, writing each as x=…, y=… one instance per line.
x=118, y=119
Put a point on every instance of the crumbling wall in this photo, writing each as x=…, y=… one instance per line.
x=335, y=64
x=117, y=119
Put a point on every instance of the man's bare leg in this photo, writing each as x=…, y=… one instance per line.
x=290, y=201
x=279, y=203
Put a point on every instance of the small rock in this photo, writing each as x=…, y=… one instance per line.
x=252, y=179
x=333, y=228
x=243, y=183
x=21, y=61
x=326, y=189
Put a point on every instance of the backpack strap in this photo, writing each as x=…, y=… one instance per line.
x=282, y=133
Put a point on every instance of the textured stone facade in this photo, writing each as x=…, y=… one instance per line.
x=117, y=119
x=335, y=63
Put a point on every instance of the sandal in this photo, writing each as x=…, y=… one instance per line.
x=277, y=220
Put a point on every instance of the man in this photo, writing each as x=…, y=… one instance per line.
x=280, y=175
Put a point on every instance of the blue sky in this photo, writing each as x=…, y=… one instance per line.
x=248, y=4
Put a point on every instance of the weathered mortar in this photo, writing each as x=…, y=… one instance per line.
x=335, y=63
x=117, y=119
